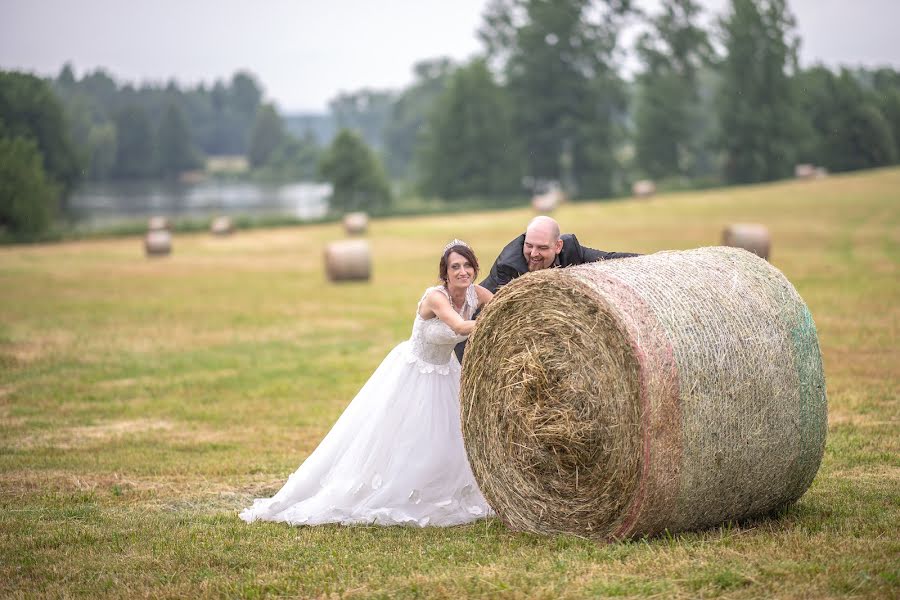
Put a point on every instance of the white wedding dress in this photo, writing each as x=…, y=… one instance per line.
x=395, y=456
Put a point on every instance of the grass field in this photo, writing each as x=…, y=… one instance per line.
x=144, y=402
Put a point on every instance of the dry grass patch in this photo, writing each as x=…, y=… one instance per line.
x=158, y=430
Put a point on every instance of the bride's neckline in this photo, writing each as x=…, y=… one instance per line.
x=462, y=305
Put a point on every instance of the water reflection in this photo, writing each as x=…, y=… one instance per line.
x=98, y=203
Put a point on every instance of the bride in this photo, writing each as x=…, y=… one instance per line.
x=396, y=455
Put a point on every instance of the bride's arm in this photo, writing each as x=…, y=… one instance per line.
x=440, y=306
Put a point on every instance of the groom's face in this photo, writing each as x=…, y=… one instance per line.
x=540, y=248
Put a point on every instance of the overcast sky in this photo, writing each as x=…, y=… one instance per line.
x=305, y=52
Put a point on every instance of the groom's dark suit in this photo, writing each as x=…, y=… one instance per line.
x=511, y=264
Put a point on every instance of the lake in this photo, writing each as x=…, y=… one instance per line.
x=98, y=204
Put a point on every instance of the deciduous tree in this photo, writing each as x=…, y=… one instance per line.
x=29, y=109
x=669, y=124
x=175, y=151
x=760, y=124
x=558, y=63
x=28, y=196
x=470, y=149
x=267, y=135
x=355, y=174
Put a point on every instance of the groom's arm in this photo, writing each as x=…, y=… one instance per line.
x=591, y=255
x=499, y=276
x=584, y=254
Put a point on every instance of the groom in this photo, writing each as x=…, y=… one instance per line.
x=540, y=247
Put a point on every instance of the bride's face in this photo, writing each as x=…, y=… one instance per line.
x=460, y=271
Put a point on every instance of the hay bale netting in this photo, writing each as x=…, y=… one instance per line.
x=159, y=223
x=348, y=260
x=749, y=236
x=673, y=391
x=158, y=242
x=355, y=223
x=221, y=226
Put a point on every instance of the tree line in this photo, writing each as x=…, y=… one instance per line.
x=545, y=102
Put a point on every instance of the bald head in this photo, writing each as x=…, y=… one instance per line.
x=542, y=243
x=544, y=226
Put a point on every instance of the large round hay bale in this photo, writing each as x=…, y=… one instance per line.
x=348, y=260
x=804, y=171
x=221, y=226
x=158, y=242
x=643, y=188
x=356, y=223
x=548, y=201
x=673, y=391
x=749, y=236
x=159, y=223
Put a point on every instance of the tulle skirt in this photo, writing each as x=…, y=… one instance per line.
x=394, y=457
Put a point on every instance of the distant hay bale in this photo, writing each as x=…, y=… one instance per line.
x=804, y=171
x=158, y=242
x=348, y=260
x=821, y=173
x=749, y=236
x=548, y=201
x=159, y=223
x=673, y=391
x=222, y=226
x=643, y=188
x=356, y=223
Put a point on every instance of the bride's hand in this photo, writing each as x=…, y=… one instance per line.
x=439, y=304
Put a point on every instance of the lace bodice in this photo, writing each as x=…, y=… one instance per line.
x=432, y=341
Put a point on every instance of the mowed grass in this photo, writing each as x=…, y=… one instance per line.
x=144, y=402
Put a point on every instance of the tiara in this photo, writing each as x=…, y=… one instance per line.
x=456, y=242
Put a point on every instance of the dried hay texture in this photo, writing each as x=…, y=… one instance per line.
x=622, y=398
x=158, y=242
x=348, y=260
x=355, y=223
x=749, y=236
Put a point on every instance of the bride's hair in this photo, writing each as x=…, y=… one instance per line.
x=463, y=251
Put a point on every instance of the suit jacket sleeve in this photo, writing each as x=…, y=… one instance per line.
x=591, y=255
x=583, y=254
x=499, y=276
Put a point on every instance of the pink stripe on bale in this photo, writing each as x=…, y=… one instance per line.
x=660, y=409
